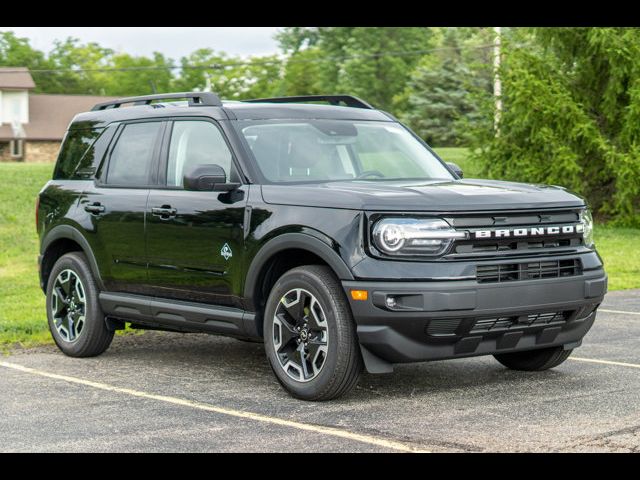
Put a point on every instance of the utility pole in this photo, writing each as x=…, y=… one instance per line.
x=207, y=86
x=497, y=84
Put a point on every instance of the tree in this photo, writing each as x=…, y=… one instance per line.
x=571, y=117
x=134, y=79
x=303, y=73
x=231, y=77
x=439, y=101
x=71, y=54
x=371, y=62
x=17, y=52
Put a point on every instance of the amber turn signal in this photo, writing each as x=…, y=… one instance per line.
x=359, y=294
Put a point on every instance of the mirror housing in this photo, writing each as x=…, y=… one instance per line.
x=456, y=169
x=207, y=177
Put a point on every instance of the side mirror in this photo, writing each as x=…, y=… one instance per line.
x=207, y=177
x=456, y=169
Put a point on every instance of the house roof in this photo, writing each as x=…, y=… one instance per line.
x=16, y=78
x=50, y=115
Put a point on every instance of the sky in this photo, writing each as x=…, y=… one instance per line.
x=173, y=42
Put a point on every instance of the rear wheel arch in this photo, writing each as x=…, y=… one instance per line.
x=59, y=241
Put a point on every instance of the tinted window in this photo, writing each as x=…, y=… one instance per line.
x=325, y=150
x=195, y=143
x=132, y=155
x=76, y=152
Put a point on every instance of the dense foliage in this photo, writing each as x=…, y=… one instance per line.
x=439, y=100
x=571, y=117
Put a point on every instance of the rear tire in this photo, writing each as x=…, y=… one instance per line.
x=534, y=360
x=76, y=321
x=310, y=336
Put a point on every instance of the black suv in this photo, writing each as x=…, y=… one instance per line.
x=330, y=232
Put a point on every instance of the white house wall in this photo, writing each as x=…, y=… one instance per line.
x=14, y=105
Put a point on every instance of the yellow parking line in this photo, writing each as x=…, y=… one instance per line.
x=335, y=432
x=605, y=362
x=618, y=311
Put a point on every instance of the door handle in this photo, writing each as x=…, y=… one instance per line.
x=164, y=212
x=95, y=208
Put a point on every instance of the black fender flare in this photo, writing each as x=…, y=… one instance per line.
x=292, y=240
x=71, y=233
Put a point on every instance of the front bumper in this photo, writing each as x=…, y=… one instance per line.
x=450, y=319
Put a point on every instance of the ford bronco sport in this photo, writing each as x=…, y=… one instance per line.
x=332, y=233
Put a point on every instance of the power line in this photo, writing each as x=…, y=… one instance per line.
x=222, y=66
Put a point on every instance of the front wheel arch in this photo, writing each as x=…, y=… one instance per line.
x=304, y=249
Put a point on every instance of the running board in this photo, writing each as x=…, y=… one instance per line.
x=175, y=313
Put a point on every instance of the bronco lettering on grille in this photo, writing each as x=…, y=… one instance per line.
x=529, y=232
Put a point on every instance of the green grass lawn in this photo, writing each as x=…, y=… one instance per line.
x=22, y=314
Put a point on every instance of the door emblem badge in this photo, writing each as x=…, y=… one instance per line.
x=226, y=251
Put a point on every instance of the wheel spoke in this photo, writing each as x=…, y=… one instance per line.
x=65, y=285
x=62, y=296
x=296, y=308
x=72, y=327
x=287, y=332
x=58, y=304
x=303, y=361
x=313, y=347
x=79, y=323
x=316, y=318
x=78, y=291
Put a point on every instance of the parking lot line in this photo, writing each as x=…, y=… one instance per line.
x=332, y=431
x=618, y=311
x=605, y=362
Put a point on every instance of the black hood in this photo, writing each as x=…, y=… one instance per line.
x=432, y=195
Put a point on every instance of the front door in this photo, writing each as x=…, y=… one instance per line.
x=195, y=239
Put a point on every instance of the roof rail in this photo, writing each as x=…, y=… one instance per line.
x=348, y=100
x=205, y=99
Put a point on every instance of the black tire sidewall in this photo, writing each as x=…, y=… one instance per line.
x=299, y=278
x=534, y=360
x=94, y=317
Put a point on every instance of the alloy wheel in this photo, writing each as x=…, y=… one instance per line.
x=300, y=335
x=68, y=305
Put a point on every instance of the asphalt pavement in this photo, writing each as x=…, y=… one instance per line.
x=196, y=392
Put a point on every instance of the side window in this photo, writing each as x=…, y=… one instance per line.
x=196, y=142
x=132, y=155
x=73, y=156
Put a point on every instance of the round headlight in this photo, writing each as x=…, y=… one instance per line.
x=390, y=237
x=414, y=236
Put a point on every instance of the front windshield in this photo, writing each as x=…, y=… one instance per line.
x=331, y=150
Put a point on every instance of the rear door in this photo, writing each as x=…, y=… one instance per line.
x=195, y=240
x=116, y=204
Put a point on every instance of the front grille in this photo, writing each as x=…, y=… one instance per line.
x=495, y=324
x=509, y=272
x=453, y=327
x=444, y=326
x=511, y=246
x=481, y=247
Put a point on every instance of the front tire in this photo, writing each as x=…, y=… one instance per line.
x=309, y=335
x=534, y=360
x=75, y=318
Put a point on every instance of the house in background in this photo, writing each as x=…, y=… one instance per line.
x=32, y=125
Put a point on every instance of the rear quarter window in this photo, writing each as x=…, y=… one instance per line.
x=81, y=153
